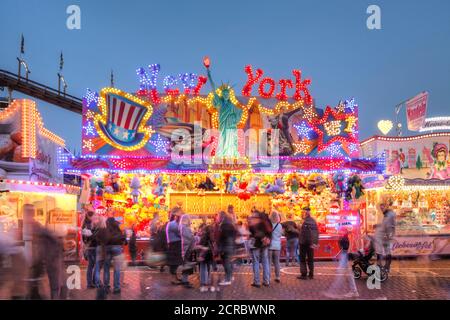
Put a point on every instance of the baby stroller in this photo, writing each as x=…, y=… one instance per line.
x=361, y=263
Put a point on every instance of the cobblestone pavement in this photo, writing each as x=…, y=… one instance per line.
x=409, y=279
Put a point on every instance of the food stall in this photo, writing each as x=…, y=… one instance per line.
x=29, y=174
x=145, y=152
x=418, y=180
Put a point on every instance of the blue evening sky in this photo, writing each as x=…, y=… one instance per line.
x=327, y=39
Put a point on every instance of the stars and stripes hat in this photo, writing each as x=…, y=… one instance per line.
x=124, y=118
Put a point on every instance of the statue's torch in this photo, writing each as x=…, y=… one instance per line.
x=206, y=62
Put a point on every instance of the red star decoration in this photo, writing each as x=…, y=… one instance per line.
x=345, y=141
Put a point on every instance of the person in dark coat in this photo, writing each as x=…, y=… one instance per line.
x=158, y=240
x=110, y=241
x=225, y=245
x=47, y=255
x=205, y=256
x=89, y=231
x=260, y=229
x=291, y=233
x=132, y=245
x=308, y=241
x=174, y=256
x=153, y=229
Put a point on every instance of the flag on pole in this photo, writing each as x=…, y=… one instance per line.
x=416, y=111
x=61, y=61
x=112, y=78
x=22, y=45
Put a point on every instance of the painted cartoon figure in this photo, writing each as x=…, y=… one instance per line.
x=440, y=168
x=402, y=159
x=395, y=163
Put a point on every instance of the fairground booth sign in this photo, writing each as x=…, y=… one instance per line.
x=271, y=125
x=264, y=147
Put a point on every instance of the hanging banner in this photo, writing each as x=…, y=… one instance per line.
x=416, y=110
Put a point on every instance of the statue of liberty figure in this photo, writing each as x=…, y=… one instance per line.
x=229, y=117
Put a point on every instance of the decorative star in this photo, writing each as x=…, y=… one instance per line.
x=304, y=146
x=91, y=99
x=350, y=104
x=90, y=115
x=309, y=112
x=353, y=147
x=89, y=129
x=161, y=145
x=87, y=144
x=125, y=135
x=341, y=107
x=303, y=129
x=335, y=150
x=331, y=115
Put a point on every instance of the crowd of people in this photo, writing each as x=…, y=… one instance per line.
x=224, y=241
x=228, y=242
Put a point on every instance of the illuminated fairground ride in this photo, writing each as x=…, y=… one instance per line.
x=145, y=152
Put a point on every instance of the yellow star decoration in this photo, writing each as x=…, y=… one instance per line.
x=351, y=121
x=90, y=115
x=304, y=146
x=103, y=118
x=310, y=113
x=341, y=107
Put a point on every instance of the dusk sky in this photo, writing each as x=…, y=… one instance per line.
x=328, y=40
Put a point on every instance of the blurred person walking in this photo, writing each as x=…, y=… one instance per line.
x=241, y=242
x=260, y=229
x=343, y=284
x=384, y=234
x=99, y=224
x=132, y=245
x=275, y=243
x=153, y=230
x=174, y=257
x=187, y=250
x=226, y=245
x=13, y=267
x=159, y=244
x=231, y=214
x=205, y=257
x=46, y=256
x=308, y=241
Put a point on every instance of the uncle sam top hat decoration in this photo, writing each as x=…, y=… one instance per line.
x=123, y=119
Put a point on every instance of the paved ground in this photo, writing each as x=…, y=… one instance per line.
x=409, y=279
